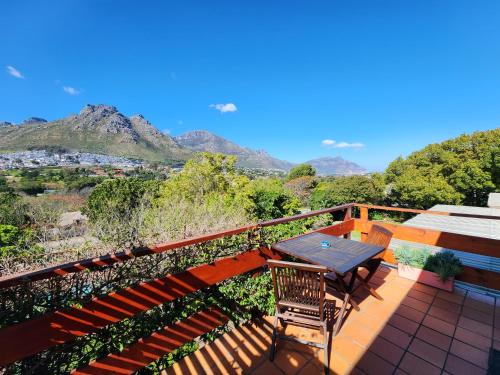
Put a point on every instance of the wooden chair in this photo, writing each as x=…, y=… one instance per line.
x=379, y=236
x=299, y=290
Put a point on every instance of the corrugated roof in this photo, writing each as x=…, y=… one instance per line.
x=486, y=228
x=494, y=200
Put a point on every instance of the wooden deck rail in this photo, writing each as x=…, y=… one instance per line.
x=109, y=259
x=38, y=334
x=470, y=244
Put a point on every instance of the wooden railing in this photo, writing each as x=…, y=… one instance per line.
x=470, y=244
x=38, y=334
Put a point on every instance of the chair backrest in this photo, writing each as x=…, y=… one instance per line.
x=299, y=283
x=379, y=236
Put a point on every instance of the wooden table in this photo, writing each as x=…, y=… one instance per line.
x=342, y=257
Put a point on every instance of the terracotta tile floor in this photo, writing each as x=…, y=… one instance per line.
x=416, y=329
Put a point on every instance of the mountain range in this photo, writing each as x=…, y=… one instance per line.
x=102, y=129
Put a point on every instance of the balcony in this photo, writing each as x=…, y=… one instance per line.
x=51, y=318
x=416, y=329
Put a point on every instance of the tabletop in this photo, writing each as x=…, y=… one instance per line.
x=341, y=257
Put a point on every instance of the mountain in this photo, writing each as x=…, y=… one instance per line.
x=33, y=120
x=99, y=129
x=202, y=140
x=336, y=166
x=102, y=129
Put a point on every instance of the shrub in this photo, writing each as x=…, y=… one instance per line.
x=360, y=189
x=301, y=170
x=268, y=199
x=113, y=205
x=31, y=187
x=13, y=211
x=254, y=294
x=444, y=263
x=302, y=187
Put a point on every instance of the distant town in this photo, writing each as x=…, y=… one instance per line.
x=44, y=158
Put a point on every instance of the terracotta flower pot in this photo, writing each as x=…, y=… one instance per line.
x=425, y=277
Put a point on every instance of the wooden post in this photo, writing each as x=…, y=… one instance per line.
x=348, y=216
x=364, y=217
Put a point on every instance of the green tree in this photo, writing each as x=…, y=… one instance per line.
x=301, y=170
x=13, y=211
x=4, y=186
x=268, y=199
x=360, y=189
x=462, y=170
x=302, y=187
x=31, y=187
x=114, y=208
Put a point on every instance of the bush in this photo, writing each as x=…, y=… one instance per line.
x=17, y=242
x=113, y=207
x=270, y=200
x=359, y=189
x=444, y=263
x=301, y=170
x=4, y=187
x=255, y=294
x=302, y=188
x=31, y=187
x=13, y=211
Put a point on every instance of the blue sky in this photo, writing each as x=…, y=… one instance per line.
x=379, y=78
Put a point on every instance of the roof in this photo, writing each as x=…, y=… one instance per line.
x=486, y=228
x=478, y=227
x=494, y=200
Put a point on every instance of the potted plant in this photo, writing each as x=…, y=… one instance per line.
x=435, y=269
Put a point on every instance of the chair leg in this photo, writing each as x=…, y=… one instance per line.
x=354, y=304
x=326, y=352
x=372, y=291
x=273, y=342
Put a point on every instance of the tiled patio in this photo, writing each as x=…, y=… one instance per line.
x=415, y=330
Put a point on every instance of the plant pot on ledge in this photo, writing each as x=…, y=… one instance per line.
x=435, y=269
x=426, y=277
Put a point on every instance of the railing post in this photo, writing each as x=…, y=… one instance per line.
x=347, y=217
x=364, y=218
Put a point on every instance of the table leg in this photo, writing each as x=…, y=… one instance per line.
x=340, y=318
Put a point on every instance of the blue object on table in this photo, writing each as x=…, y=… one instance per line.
x=325, y=244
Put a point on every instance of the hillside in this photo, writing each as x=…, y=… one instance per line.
x=336, y=166
x=202, y=140
x=102, y=129
x=96, y=129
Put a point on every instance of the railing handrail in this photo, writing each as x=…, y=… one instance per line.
x=121, y=256
x=427, y=212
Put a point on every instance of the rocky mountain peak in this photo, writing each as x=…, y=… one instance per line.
x=105, y=119
x=98, y=110
x=5, y=123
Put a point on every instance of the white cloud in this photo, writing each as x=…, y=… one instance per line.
x=223, y=108
x=330, y=143
x=14, y=72
x=349, y=145
x=71, y=90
